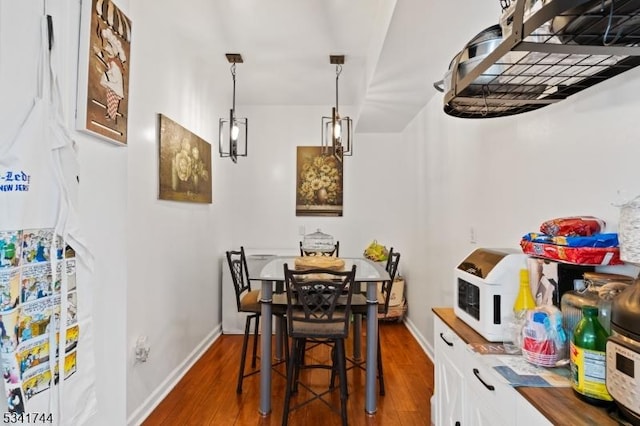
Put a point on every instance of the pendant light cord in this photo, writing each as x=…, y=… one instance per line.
x=338, y=71
x=233, y=74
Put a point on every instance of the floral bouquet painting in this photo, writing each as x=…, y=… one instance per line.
x=318, y=183
x=185, y=164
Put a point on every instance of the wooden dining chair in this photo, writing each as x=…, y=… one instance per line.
x=318, y=308
x=335, y=252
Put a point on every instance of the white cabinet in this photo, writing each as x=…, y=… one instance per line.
x=469, y=392
x=449, y=352
x=488, y=400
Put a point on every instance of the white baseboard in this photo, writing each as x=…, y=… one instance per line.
x=142, y=412
x=426, y=347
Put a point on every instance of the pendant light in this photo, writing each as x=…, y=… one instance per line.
x=234, y=130
x=337, y=131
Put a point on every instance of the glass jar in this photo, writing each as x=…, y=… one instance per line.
x=600, y=289
x=318, y=241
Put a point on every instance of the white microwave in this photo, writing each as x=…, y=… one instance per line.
x=486, y=285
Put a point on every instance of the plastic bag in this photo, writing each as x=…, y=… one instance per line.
x=544, y=341
x=376, y=252
x=572, y=226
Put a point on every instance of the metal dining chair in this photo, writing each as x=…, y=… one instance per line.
x=248, y=301
x=318, y=308
x=383, y=308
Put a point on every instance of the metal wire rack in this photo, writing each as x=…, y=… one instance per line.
x=562, y=48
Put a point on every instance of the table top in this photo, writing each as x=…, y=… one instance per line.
x=271, y=268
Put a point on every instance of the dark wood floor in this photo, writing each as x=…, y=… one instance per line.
x=206, y=395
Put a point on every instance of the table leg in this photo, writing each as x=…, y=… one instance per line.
x=279, y=326
x=265, y=341
x=372, y=345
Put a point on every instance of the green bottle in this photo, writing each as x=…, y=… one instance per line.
x=588, y=358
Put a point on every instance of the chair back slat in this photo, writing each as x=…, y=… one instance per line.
x=239, y=273
x=319, y=302
x=392, y=269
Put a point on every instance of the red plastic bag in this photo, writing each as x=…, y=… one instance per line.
x=572, y=226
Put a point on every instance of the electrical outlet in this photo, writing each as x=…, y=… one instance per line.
x=142, y=349
x=301, y=230
x=472, y=235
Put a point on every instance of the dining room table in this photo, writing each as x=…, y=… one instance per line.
x=269, y=270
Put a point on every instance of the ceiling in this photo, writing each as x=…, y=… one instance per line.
x=394, y=50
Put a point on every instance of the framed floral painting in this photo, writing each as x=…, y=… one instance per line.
x=185, y=164
x=318, y=183
x=103, y=74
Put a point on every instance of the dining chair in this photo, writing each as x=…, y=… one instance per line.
x=383, y=308
x=383, y=305
x=248, y=301
x=318, y=308
x=335, y=252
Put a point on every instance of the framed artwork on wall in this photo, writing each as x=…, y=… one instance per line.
x=103, y=73
x=185, y=164
x=318, y=183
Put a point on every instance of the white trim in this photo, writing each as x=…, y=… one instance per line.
x=426, y=347
x=156, y=397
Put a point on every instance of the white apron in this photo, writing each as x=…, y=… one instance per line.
x=46, y=349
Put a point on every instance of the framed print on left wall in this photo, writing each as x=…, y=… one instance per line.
x=103, y=71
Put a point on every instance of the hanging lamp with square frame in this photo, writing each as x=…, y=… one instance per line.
x=233, y=130
x=337, y=131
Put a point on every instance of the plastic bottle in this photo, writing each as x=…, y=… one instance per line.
x=588, y=357
x=524, y=301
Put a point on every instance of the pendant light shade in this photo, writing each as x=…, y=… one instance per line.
x=337, y=131
x=234, y=130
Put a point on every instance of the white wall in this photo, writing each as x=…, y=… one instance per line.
x=505, y=176
x=174, y=249
x=102, y=194
x=374, y=178
x=158, y=263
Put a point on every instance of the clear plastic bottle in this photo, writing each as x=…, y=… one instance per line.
x=599, y=291
x=588, y=358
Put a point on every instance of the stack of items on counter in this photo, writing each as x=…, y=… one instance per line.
x=571, y=321
x=576, y=240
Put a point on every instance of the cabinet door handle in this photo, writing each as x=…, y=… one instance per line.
x=445, y=340
x=477, y=374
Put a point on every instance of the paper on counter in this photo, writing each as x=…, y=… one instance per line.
x=519, y=372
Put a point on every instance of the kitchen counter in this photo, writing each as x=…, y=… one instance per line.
x=558, y=404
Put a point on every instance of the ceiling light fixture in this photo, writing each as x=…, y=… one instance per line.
x=234, y=130
x=337, y=131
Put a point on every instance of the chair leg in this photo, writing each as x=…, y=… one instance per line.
x=342, y=371
x=255, y=341
x=243, y=355
x=380, y=374
x=290, y=382
x=285, y=341
x=298, y=360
